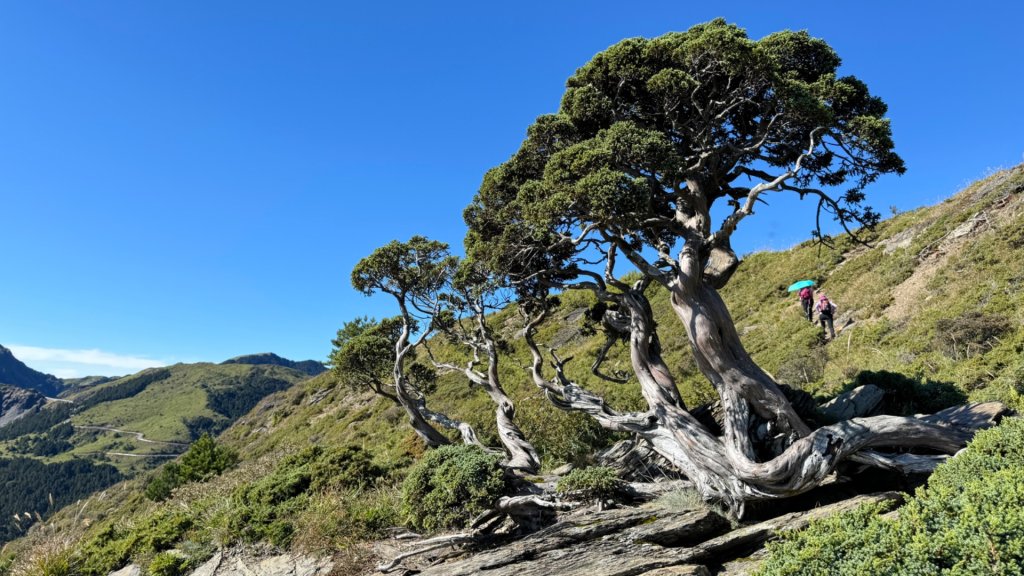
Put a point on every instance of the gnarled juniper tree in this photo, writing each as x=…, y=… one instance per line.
x=651, y=135
x=437, y=293
x=412, y=273
x=468, y=303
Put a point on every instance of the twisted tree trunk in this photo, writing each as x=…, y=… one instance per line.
x=786, y=458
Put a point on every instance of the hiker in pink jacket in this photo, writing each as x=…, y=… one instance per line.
x=807, y=301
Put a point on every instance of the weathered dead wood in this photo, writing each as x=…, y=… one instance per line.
x=508, y=506
x=634, y=459
x=748, y=537
x=564, y=547
x=861, y=401
x=689, y=570
x=427, y=546
x=623, y=543
x=676, y=529
x=971, y=416
x=646, y=491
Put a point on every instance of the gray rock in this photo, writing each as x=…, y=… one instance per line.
x=129, y=570
x=237, y=563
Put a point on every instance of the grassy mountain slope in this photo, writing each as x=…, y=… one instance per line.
x=935, y=297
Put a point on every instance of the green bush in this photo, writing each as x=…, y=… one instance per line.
x=167, y=564
x=594, y=483
x=115, y=545
x=968, y=520
x=266, y=509
x=204, y=459
x=451, y=485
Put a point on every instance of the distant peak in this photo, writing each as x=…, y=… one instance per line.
x=311, y=367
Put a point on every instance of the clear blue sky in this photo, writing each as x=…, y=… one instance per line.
x=187, y=181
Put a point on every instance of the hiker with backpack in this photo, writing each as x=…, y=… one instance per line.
x=826, y=311
x=807, y=301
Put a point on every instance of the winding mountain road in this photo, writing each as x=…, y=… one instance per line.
x=138, y=435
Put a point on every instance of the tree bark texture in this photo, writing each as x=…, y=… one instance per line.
x=766, y=451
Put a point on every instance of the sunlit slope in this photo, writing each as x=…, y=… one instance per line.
x=934, y=295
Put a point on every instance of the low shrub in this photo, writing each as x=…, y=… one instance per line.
x=267, y=508
x=451, y=485
x=115, y=545
x=969, y=519
x=969, y=334
x=167, y=564
x=589, y=484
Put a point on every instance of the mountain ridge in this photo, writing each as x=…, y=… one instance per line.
x=310, y=367
x=14, y=372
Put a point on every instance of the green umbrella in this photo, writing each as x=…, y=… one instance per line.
x=801, y=284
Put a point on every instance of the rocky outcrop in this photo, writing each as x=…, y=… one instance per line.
x=240, y=564
x=13, y=372
x=16, y=402
x=245, y=563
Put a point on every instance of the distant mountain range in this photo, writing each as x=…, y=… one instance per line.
x=15, y=373
x=311, y=367
x=94, y=431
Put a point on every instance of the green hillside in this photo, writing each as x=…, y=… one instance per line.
x=934, y=301
x=106, y=432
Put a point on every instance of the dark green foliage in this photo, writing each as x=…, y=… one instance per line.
x=969, y=333
x=235, y=401
x=53, y=442
x=594, y=483
x=37, y=422
x=968, y=520
x=37, y=483
x=709, y=110
x=308, y=367
x=906, y=396
x=124, y=388
x=451, y=485
x=562, y=437
x=408, y=268
x=266, y=509
x=199, y=425
x=803, y=366
x=203, y=460
x=364, y=352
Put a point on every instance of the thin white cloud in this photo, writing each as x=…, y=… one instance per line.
x=66, y=363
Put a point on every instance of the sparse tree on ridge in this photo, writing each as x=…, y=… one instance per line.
x=434, y=294
x=472, y=297
x=651, y=135
x=413, y=273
